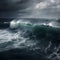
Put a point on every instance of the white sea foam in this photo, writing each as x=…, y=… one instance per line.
x=57, y=55
x=18, y=23
x=13, y=40
x=54, y=24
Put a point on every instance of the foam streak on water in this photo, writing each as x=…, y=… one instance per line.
x=9, y=40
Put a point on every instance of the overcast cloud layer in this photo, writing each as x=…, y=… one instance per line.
x=30, y=8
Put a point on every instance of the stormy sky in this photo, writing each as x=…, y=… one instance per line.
x=30, y=8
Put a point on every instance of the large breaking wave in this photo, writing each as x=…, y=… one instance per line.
x=39, y=38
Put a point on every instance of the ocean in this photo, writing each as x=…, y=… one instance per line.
x=30, y=39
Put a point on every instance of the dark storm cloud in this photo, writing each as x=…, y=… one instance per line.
x=9, y=8
x=12, y=4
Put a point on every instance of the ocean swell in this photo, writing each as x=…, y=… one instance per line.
x=38, y=38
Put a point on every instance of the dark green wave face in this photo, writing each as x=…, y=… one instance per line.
x=40, y=32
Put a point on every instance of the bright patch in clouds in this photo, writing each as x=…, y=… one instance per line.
x=42, y=5
x=53, y=1
x=44, y=9
x=47, y=4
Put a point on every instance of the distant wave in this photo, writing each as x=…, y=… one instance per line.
x=25, y=22
x=14, y=23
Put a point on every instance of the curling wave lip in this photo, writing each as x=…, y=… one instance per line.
x=54, y=24
x=16, y=24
